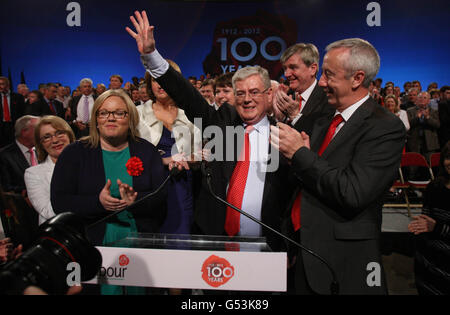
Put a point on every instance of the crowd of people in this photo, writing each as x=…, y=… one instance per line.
x=96, y=150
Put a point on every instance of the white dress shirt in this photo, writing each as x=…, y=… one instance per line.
x=348, y=112
x=37, y=180
x=81, y=107
x=305, y=97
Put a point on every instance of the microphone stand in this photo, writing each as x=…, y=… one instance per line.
x=334, y=286
x=174, y=172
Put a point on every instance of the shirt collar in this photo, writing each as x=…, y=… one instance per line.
x=22, y=148
x=262, y=125
x=348, y=112
x=307, y=93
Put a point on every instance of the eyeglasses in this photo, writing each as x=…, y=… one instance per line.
x=254, y=94
x=117, y=114
x=59, y=134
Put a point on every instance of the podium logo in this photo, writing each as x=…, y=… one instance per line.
x=217, y=271
x=114, y=272
x=123, y=261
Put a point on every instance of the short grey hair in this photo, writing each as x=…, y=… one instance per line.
x=246, y=72
x=308, y=52
x=362, y=56
x=23, y=123
x=86, y=80
x=412, y=90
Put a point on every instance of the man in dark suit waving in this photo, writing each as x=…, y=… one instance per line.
x=248, y=182
x=345, y=168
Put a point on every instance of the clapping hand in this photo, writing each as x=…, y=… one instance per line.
x=422, y=224
x=127, y=193
x=285, y=104
x=109, y=202
x=287, y=140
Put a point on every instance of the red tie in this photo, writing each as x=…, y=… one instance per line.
x=33, y=159
x=300, y=103
x=237, y=186
x=52, y=108
x=6, y=113
x=295, y=212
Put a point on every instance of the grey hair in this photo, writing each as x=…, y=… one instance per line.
x=23, y=123
x=308, y=52
x=413, y=89
x=246, y=72
x=86, y=80
x=362, y=56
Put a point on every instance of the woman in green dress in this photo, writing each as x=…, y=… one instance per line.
x=109, y=170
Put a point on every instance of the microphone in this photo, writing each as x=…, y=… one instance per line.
x=334, y=286
x=172, y=173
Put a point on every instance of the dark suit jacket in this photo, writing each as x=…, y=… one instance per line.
x=210, y=214
x=79, y=177
x=42, y=108
x=428, y=127
x=316, y=106
x=17, y=110
x=444, y=118
x=74, y=105
x=12, y=168
x=73, y=109
x=342, y=196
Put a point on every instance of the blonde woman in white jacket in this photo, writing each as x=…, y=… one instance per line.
x=52, y=135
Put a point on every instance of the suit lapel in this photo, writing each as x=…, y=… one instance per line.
x=319, y=132
x=310, y=104
x=350, y=127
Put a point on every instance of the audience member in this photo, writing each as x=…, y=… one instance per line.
x=16, y=157
x=143, y=92
x=23, y=90
x=223, y=90
x=444, y=115
x=135, y=95
x=392, y=105
x=207, y=90
x=424, y=122
x=99, y=89
x=81, y=108
x=432, y=262
x=411, y=99
x=115, y=82
x=51, y=135
x=50, y=106
x=13, y=107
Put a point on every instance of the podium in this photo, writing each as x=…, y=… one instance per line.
x=193, y=262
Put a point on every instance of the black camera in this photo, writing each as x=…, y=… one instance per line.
x=62, y=240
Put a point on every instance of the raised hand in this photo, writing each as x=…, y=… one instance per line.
x=144, y=33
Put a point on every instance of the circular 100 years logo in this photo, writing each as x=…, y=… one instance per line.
x=217, y=271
